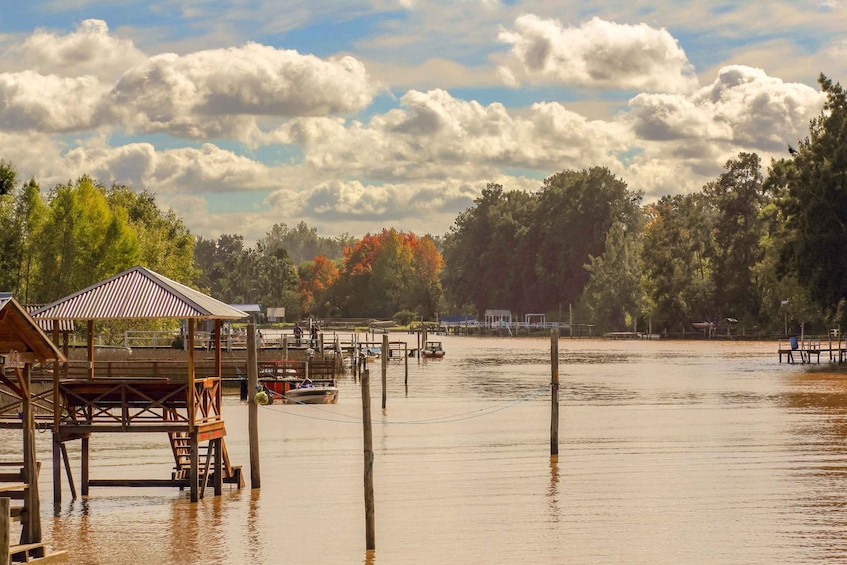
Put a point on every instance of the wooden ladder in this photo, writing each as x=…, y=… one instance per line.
x=181, y=448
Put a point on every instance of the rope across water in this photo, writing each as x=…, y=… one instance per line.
x=346, y=419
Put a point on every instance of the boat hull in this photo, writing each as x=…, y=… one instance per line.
x=314, y=395
x=432, y=354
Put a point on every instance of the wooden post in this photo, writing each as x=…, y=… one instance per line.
x=83, y=479
x=57, y=419
x=384, y=359
x=90, y=349
x=406, y=361
x=219, y=479
x=285, y=348
x=554, y=387
x=253, y=409
x=5, y=534
x=218, y=360
x=194, y=469
x=370, y=537
x=57, y=470
x=190, y=380
x=32, y=526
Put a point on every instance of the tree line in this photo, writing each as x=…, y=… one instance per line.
x=754, y=247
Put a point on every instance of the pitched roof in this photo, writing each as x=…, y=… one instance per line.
x=138, y=293
x=19, y=332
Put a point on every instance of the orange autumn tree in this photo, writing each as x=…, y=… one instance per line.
x=387, y=273
x=316, y=281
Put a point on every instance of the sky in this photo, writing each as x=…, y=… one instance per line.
x=370, y=114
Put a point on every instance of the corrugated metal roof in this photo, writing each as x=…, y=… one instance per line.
x=47, y=325
x=20, y=332
x=138, y=293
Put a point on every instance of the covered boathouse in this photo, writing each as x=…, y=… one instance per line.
x=187, y=410
x=22, y=345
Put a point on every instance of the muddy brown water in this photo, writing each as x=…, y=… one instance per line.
x=670, y=452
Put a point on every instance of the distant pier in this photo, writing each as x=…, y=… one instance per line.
x=804, y=350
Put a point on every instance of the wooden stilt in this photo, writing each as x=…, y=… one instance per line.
x=83, y=479
x=384, y=359
x=57, y=470
x=70, y=476
x=370, y=533
x=194, y=469
x=554, y=387
x=252, y=408
x=219, y=476
x=5, y=534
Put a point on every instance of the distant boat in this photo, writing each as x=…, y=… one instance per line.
x=704, y=325
x=432, y=349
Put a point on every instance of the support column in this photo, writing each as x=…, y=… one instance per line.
x=194, y=470
x=219, y=477
x=57, y=469
x=84, y=449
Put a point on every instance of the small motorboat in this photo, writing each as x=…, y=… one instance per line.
x=432, y=350
x=307, y=393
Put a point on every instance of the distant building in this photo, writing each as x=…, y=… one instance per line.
x=253, y=311
x=498, y=318
x=276, y=314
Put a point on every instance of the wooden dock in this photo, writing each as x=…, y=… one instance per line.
x=809, y=349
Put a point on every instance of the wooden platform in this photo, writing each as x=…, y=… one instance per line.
x=808, y=349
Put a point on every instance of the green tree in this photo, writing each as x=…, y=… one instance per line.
x=574, y=213
x=166, y=244
x=82, y=241
x=676, y=266
x=812, y=194
x=488, y=263
x=8, y=177
x=738, y=198
x=613, y=292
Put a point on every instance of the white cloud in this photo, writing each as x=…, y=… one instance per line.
x=743, y=106
x=209, y=169
x=684, y=140
x=219, y=91
x=438, y=136
x=89, y=50
x=48, y=103
x=599, y=54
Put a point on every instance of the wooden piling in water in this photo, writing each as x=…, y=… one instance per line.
x=384, y=359
x=253, y=409
x=554, y=388
x=370, y=534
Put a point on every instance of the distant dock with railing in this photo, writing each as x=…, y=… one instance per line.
x=805, y=350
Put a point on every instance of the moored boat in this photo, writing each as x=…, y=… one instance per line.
x=433, y=349
x=307, y=393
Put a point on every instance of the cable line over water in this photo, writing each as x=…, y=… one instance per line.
x=437, y=420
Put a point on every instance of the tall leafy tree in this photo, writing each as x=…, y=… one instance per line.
x=574, y=213
x=389, y=272
x=316, y=280
x=166, y=244
x=488, y=263
x=676, y=264
x=738, y=198
x=813, y=197
x=613, y=292
x=8, y=177
x=83, y=240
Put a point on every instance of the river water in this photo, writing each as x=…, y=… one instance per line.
x=669, y=452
